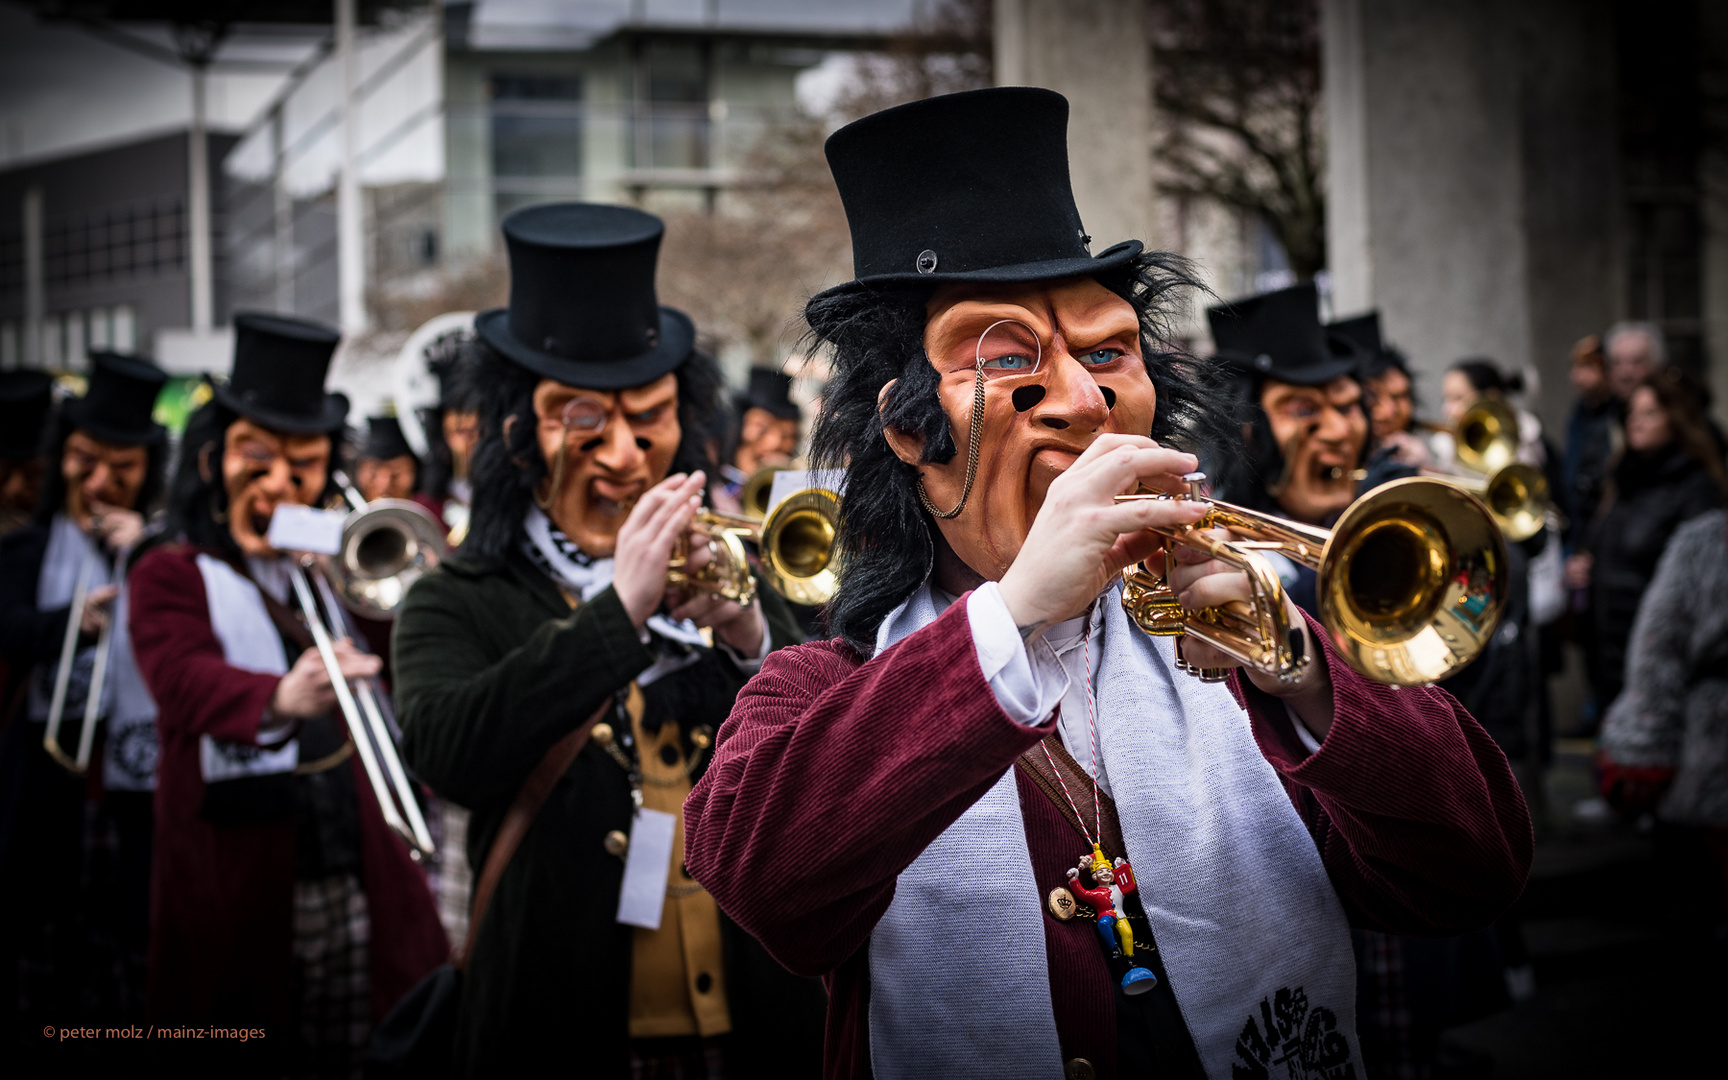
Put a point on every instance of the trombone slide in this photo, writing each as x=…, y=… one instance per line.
x=418, y=840
x=80, y=762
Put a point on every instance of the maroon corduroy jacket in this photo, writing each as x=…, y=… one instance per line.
x=221, y=904
x=833, y=773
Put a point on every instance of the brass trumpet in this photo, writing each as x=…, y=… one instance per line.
x=1412, y=583
x=796, y=543
x=1517, y=496
x=1487, y=436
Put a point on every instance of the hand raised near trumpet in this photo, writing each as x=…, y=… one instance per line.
x=306, y=691
x=645, y=541
x=116, y=527
x=1082, y=538
x=1200, y=581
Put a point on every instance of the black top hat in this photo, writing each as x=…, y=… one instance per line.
x=384, y=439
x=964, y=187
x=1277, y=335
x=770, y=389
x=582, y=304
x=121, y=396
x=1362, y=334
x=279, y=368
x=26, y=399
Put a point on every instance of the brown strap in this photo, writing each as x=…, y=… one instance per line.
x=1079, y=782
x=521, y=814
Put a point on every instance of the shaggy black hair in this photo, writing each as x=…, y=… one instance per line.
x=508, y=464
x=196, y=501
x=53, y=496
x=874, y=335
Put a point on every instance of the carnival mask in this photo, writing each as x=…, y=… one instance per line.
x=603, y=450
x=98, y=471
x=1061, y=364
x=1320, y=430
x=263, y=469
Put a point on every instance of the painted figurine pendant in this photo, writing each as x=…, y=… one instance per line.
x=1111, y=883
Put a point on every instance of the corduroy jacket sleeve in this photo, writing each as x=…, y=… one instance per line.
x=832, y=774
x=477, y=717
x=1419, y=821
x=196, y=689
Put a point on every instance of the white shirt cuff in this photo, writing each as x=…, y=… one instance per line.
x=1028, y=683
x=750, y=665
x=1303, y=735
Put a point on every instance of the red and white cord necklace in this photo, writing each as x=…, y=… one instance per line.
x=1096, y=836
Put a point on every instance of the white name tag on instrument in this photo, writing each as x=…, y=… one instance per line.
x=646, y=866
x=306, y=528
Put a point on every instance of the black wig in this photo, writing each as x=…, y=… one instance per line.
x=52, y=498
x=875, y=335
x=508, y=464
x=198, y=499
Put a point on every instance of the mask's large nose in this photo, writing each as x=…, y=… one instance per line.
x=619, y=452
x=1072, y=398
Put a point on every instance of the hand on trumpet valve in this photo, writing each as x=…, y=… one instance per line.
x=740, y=626
x=96, y=609
x=660, y=518
x=1201, y=581
x=1082, y=538
x=117, y=528
x=306, y=691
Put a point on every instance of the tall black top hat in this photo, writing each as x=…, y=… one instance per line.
x=964, y=187
x=121, y=396
x=582, y=305
x=384, y=439
x=279, y=369
x=1277, y=335
x=26, y=398
x=770, y=389
x=1362, y=333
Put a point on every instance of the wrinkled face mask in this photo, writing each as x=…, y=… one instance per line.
x=98, y=471
x=1320, y=430
x=603, y=450
x=261, y=470
x=1030, y=376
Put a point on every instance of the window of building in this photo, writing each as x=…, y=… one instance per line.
x=536, y=123
x=674, y=79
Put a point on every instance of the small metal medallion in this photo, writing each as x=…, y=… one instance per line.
x=926, y=261
x=602, y=733
x=616, y=843
x=702, y=737
x=1061, y=903
x=1078, y=1069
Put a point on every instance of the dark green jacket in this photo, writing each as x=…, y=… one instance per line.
x=492, y=667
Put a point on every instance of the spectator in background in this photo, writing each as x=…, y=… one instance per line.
x=1665, y=741
x=1668, y=473
x=1590, y=438
x=764, y=435
x=1635, y=352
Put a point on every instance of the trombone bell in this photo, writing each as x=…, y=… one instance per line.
x=386, y=547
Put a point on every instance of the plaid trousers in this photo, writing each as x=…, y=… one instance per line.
x=333, y=987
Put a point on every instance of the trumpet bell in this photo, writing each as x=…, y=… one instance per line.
x=798, y=546
x=1487, y=436
x=386, y=548
x=1412, y=581
x=758, y=489
x=1518, y=498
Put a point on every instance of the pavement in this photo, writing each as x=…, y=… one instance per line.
x=1628, y=964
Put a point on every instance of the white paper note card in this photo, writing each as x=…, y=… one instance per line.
x=646, y=866
x=306, y=528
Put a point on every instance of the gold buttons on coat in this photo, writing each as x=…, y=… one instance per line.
x=1061, y=904
x=602, y=733
x=1079, y=1069
x=616, y=843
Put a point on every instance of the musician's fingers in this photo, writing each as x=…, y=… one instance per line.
x=1198, y=654
x=101, y=596
x=1215, y=589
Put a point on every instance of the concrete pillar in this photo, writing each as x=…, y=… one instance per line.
x=283, y=213
x=35, y=293
x=200, y=274
x=1096, y=53
x=1713, y=181
x=1426, y=220
x=350, y=224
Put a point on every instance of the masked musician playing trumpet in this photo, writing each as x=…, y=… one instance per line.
x=64, y=593
x=899, y=809
x=595, y=411
x=280, y=898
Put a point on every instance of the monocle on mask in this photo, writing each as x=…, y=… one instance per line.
x=1006, y=346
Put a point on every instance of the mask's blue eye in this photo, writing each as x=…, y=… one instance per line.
x=1011, y=362
x=1100, y=357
